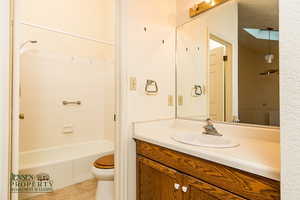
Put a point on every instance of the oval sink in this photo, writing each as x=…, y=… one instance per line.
x=199, y=139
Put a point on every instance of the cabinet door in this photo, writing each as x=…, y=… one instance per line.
x=194, y=189
x=157, y=182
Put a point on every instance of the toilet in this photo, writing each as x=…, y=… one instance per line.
x=103, y=169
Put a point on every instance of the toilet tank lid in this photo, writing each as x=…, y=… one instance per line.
x=105, y=162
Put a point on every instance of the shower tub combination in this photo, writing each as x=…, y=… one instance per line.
x=66, y=165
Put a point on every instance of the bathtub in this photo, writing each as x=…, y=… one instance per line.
x=66, y=165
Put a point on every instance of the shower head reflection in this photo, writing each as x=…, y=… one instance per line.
x=23, y=45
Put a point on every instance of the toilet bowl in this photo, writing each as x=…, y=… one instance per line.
x=103, y=169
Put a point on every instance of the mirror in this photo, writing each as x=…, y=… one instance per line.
x=227, y=61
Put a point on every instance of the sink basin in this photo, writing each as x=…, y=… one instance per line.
x=198, y=139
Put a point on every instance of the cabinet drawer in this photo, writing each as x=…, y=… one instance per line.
x=244, y=184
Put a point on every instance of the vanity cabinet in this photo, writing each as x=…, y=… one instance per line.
x=158, y=182
x=164, y=174
x=195, y=189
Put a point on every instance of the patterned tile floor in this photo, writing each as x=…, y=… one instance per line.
x=81, y=191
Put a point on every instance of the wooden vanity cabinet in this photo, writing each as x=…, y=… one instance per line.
x=158, y=182
x=199, y=190
x=164, y=174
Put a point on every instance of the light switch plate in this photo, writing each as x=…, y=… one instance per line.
x=170, y=100
x=180, y=100
x=132, y=83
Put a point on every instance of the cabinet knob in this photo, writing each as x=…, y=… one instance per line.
x=176, y=186
x=184, y=189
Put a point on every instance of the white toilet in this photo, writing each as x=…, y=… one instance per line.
x=103, y=169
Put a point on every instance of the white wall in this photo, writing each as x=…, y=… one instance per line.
x=4, y=98
x=222, y=22
x=290, y=98
x=94, y=18
x=147, y=55
x=61, y=68
x=191, y=65
x=144, y=56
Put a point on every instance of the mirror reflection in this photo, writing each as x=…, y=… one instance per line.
x=228, y=64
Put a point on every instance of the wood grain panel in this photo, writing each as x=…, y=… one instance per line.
x=156, y=182
x=199, y=190
x=244, y=184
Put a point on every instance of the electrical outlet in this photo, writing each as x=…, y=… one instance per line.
x=132, y=83
x=170, y=100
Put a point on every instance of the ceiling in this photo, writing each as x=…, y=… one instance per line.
x=259, y=14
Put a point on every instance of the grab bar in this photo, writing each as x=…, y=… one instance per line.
x=71, y=103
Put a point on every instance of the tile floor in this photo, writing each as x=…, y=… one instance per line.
x=81, y=191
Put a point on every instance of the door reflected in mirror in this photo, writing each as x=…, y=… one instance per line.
x=220, y=79
x=228, y=64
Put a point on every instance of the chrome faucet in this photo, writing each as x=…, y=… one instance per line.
x=210, y=129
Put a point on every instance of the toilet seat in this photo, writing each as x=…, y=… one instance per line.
x=105, y=162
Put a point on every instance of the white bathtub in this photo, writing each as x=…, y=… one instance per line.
x=66, y=165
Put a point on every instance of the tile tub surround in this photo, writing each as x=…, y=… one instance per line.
x=258, y=153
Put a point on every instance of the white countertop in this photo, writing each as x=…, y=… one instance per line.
x=258, y=152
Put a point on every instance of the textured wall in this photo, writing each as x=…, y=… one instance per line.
x=290, y=98
x=145, y=56
x=4, y=97
x=149, y=58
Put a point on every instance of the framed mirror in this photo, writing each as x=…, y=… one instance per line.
x=227, y=61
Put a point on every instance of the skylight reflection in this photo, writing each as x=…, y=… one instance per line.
x=263, y=34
